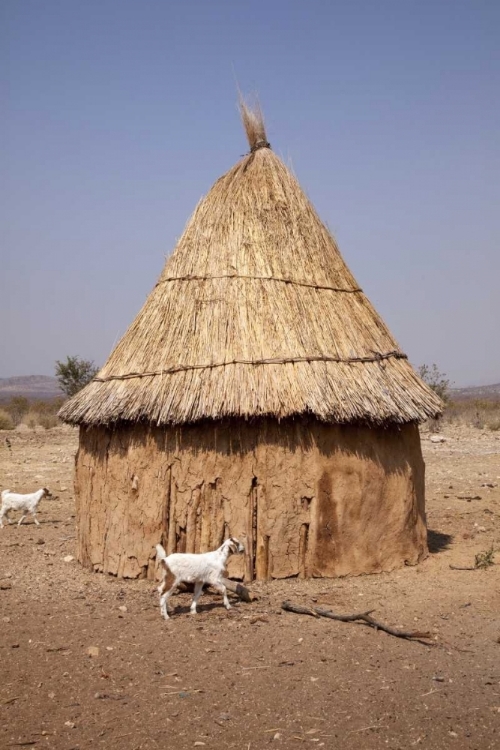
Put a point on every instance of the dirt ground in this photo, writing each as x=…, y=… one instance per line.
x=87, y=662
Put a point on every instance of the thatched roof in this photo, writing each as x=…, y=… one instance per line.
x=255, y=314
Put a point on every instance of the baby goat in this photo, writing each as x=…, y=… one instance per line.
x=208, y=567
x=25, y=503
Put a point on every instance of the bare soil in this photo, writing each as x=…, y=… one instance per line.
x=87, y=662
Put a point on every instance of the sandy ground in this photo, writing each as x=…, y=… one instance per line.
x=87, y=662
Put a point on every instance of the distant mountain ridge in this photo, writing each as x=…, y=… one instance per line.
x=30, y=386
x=489, y=392
x=47, y=387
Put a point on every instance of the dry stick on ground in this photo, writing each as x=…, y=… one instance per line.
x=240, y=590
x=236, y=588
x=363, y=616
x=456, y=567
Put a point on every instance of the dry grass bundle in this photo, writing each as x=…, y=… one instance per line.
x=255, y=314
x=253, y=122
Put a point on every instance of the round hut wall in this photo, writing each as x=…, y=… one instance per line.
x=306, y=498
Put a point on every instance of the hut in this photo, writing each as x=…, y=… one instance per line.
x=258, y=394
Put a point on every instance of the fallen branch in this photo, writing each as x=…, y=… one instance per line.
x=363, y=616
x=236, y=588
x=457, y=567
x=241, y=591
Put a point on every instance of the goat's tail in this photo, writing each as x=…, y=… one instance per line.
x=160, y=552
x=5, y=493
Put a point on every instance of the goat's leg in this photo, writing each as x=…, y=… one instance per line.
x=198, y=588
x=165, y=597
x=35, y=518
x=21, y=520
x=222, y=590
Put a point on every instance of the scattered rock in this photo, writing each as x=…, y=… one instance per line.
x=5, y=585
x=40, y=541
x=122, y=608
x=437, y=439
x=68, y=558
x=70, y=724
x=93, y=651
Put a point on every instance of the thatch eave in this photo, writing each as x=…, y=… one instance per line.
x=386, y=392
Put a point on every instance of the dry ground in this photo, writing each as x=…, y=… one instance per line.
x=254, y=677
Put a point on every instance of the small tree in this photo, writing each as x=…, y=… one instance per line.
x=74, y=374
x=436, y=380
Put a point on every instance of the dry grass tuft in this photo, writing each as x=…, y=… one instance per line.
x=253, y=122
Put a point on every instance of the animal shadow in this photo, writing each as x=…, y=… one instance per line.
x=437, y=541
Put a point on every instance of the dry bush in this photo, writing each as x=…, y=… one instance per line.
x=6, y=421
x=37, y=413
x=17, y=407
x=479, y=413
x=40, y=419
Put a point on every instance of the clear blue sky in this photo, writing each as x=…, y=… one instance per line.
x=120, y=115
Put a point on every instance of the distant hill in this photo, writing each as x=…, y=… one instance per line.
x=30, y=386
x=46, y=387
x=485, y=392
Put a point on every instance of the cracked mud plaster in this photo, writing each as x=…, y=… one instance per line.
x=306, y=498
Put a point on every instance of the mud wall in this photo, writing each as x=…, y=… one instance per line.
x=306, y=498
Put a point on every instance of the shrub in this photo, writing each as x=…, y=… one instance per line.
x=436, y=380
x=17, y=407
x=485, y=559
x=479, y=413
x=6, y=421
x=39, y=419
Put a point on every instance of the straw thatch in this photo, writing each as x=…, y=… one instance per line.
x=255, y=314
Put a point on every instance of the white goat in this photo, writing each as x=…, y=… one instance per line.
x=183, y=567
x=25, y=503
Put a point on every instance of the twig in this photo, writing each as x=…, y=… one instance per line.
x=372, y=726
x=363, y=616
x=456, y=567
x=241, y=591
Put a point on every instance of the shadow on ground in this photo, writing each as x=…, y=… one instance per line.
x=438, y=541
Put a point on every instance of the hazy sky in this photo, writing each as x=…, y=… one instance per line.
x=120, y=115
